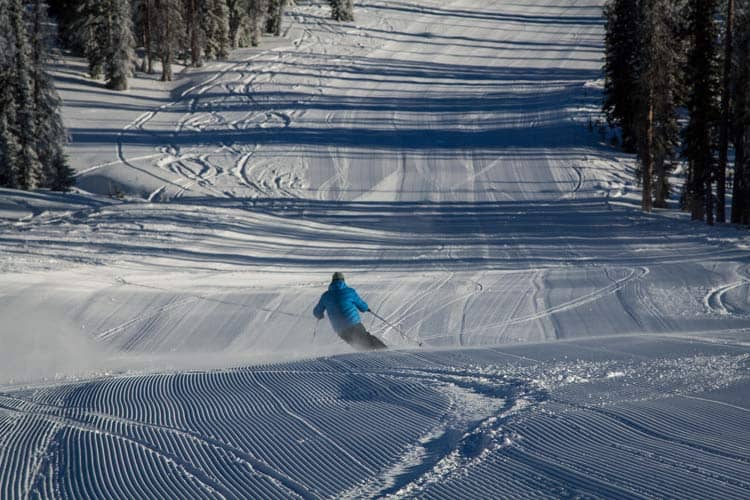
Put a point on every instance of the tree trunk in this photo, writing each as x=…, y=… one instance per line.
x=276, y=10
x=166, y=63
x=696, y=198
x=194, y=34
x=166, y=50
x=148, y=37
x=235, y=22
x=271, y=17
x=648, y=160
x=280, y=17
x=721, y=174
x=709, y=200
x=258, y=11
x=661, y=192
x=741, y=190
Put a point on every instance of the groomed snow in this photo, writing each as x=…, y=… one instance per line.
x=437, y=153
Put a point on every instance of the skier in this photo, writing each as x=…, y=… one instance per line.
x=343, y=306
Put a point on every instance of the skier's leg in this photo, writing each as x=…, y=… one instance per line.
x=375, y=343
x=365, y=339
x=348, y=336
x=359, y=338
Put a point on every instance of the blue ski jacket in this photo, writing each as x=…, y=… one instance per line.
x=342, y=304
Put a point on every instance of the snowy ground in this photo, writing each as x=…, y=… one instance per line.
x=438, y=154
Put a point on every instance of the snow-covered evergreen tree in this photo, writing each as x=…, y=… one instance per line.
x=257, y=10
x=221, y=33
x=64, y=13
x=725, y=116
x=91, y=28
x=656, y=129
x=144, y=31
x=169, y=28
x=347, y=8
x=276, y=10
x=45, y=101
x=342, y=10
x=216, y=29
x=700, y=134
x=27, y=159
x=48, y=132
x=194, y=12
x=32, y=136
x=120, y=42
x=9, y=146
x=620, y=67
x=238, y=22
x=741, y=115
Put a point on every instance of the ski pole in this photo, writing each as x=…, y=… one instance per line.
x=403, y=336
x=315, y=330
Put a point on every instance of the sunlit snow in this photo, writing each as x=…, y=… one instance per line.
x=156, y=326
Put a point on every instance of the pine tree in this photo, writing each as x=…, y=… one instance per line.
x=48, y=132
x=169, y=29
x=656, y=128
x=32, y=136
x=741, y=115
x=620, y=67
x=62, y=175
x=701, y=77
x=237, y=21
x=27, y=159
x=216, y=29
x=44, y=100
x=92, y=32
x=9, y=146
x=221, y=29
x=120, y=42
x=645, y=126
x=64, y=12
x=271, y=17
x=257, y=10
x=725, y=119
x=194, y=25
x=144, y=13
x=342, y=10
x=275, y=16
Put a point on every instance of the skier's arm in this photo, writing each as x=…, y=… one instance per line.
x=360, y=304
x=319, y=309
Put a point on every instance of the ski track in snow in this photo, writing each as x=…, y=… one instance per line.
x=436, y=152
x=445, y=423
x=716, y=299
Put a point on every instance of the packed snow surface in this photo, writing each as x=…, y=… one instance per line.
x=157, y=337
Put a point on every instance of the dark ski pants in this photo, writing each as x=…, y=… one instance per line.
x=356, y=336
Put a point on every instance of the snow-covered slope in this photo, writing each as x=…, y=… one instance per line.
x=436, y=152
x=628, y=417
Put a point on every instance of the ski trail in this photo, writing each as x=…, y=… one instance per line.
x=714, y=300
x=107, y=334
x=713, y=401
x=192, y=96
x=210, y=485
x=257, y=466
x=635, y=274
x=313, y=428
